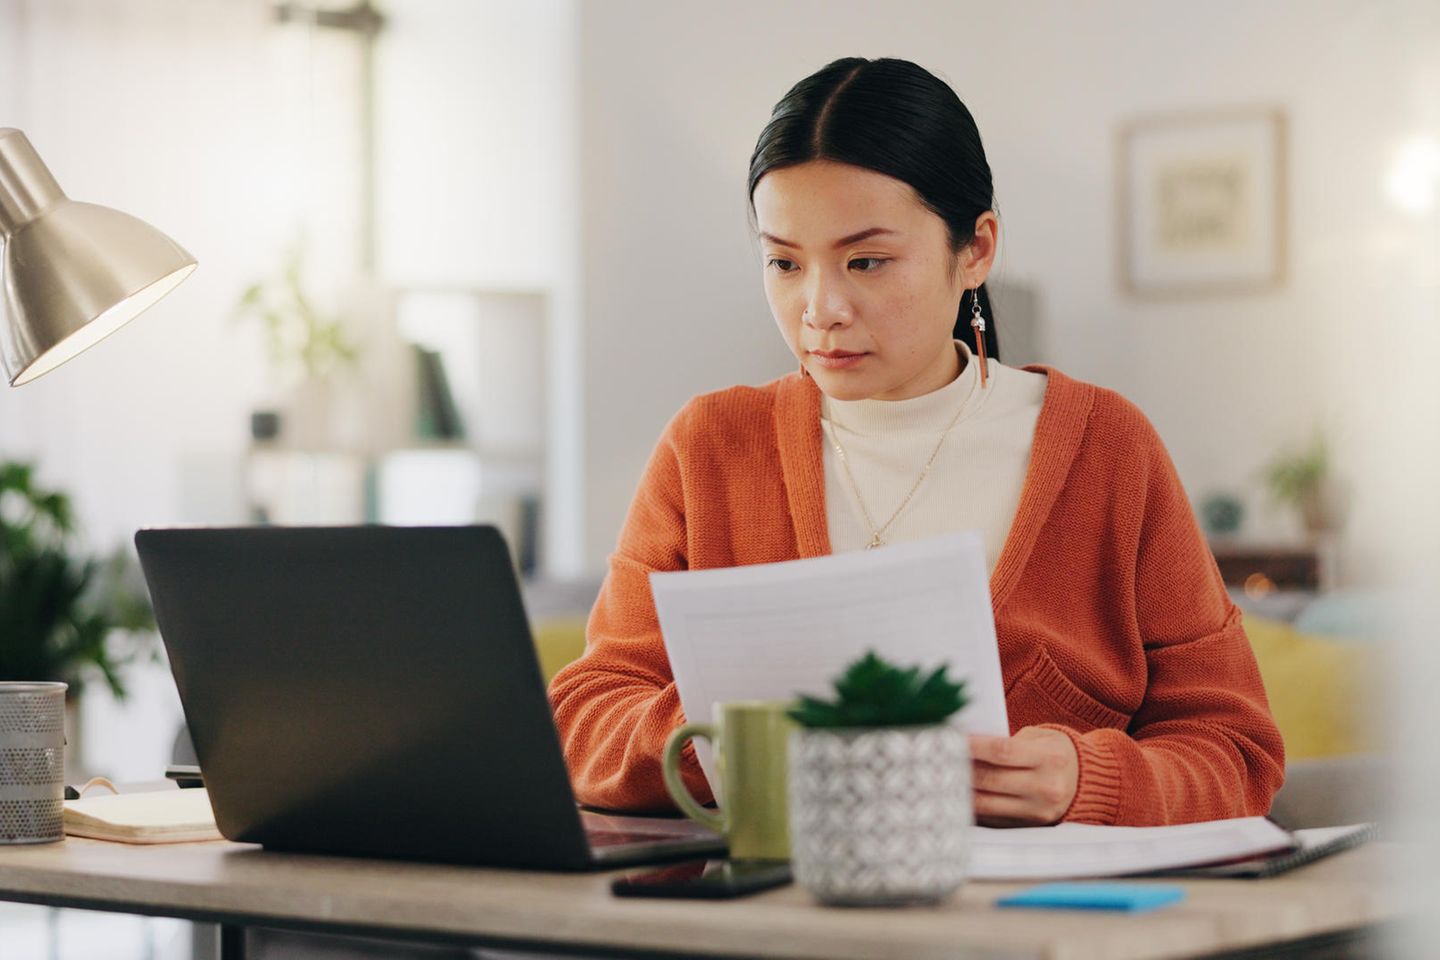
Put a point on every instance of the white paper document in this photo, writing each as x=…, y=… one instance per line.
x=773, y=631
x=1083, y=850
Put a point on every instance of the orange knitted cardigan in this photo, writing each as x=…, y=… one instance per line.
x=1112, y=620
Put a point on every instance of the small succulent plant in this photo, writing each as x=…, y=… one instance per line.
x=874, y=693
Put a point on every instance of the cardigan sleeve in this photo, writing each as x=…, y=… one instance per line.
x=1203, y=744
x=616, y=705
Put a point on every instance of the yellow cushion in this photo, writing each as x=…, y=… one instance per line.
x=558, y=641
x=1321, y=689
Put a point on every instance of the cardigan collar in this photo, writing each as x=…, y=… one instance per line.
x=1063, y=414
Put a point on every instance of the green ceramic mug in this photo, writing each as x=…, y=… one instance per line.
x=750, y=738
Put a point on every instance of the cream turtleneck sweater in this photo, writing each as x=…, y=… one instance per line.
x=976, y=479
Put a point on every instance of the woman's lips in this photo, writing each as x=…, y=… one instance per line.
x=837, y=360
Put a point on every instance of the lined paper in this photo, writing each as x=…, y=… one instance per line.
x=775, y=630
x=1072, y=850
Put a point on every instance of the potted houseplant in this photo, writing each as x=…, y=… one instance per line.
x=306, y=346
x=59, y=610
x=1301, y=478
x=879, y=787
x=301, y=340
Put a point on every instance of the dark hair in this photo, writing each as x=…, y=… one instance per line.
x=896, y=118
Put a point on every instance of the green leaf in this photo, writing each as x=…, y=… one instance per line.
x=253, y=295
x=299, y=338
x=871, y=692
x=1292, y=475
x=62, y=614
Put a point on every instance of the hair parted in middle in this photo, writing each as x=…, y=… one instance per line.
x=896, y=118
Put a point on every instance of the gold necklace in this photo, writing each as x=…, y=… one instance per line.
x=876, y=535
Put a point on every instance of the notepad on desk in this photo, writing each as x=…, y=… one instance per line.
x=1312, y=844
x=1247, y=846
x=162, y=816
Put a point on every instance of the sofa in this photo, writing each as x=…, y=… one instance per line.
x=1323, y=657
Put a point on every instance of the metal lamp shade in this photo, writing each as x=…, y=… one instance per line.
x=73, y=272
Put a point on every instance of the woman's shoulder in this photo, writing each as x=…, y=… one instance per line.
x=742, y=409
x=1109, y=416
x=742, y=398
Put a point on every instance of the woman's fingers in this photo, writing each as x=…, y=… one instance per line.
x=1002, y=751
x=1000, y=810
x=1009, y=781
x=1030, y=777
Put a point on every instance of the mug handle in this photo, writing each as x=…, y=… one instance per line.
x=670, y=765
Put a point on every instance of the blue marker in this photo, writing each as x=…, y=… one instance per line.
x=1130, y=897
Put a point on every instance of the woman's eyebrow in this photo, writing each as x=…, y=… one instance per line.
x=842, y=242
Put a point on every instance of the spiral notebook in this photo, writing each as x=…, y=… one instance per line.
x=1240, y=847
x=1311, y=845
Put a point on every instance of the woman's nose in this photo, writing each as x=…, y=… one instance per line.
x=827, y=306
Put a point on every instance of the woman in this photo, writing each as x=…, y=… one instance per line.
x=1132, y=693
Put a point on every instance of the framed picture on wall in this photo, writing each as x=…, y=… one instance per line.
x=1202, y=203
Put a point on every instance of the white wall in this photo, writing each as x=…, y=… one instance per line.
x=478, y=187
x=674, y=96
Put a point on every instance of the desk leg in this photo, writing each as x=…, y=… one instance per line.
x=232, y=942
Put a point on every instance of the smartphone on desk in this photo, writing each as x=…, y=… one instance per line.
x=707, y=879
x=185, y=775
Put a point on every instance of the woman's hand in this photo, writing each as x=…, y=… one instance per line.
x=1023, y=781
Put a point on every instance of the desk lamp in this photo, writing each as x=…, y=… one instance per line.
x=74, y=273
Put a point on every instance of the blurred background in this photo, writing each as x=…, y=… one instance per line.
x=462, y=261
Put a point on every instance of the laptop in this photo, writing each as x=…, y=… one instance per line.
x=374, y=691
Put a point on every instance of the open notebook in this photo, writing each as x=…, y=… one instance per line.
x=1242, y=847
x=162, y=816
x=1311, y=844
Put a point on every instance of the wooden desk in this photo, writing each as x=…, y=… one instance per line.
x=237, y=885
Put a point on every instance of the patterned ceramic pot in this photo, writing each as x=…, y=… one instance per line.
x=880, y=815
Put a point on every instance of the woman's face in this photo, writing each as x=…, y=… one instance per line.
x=855, y=263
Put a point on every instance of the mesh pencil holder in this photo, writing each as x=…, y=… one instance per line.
x=32, y=762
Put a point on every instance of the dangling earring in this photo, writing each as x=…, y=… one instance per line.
x=978, y=323
x=804, y=317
